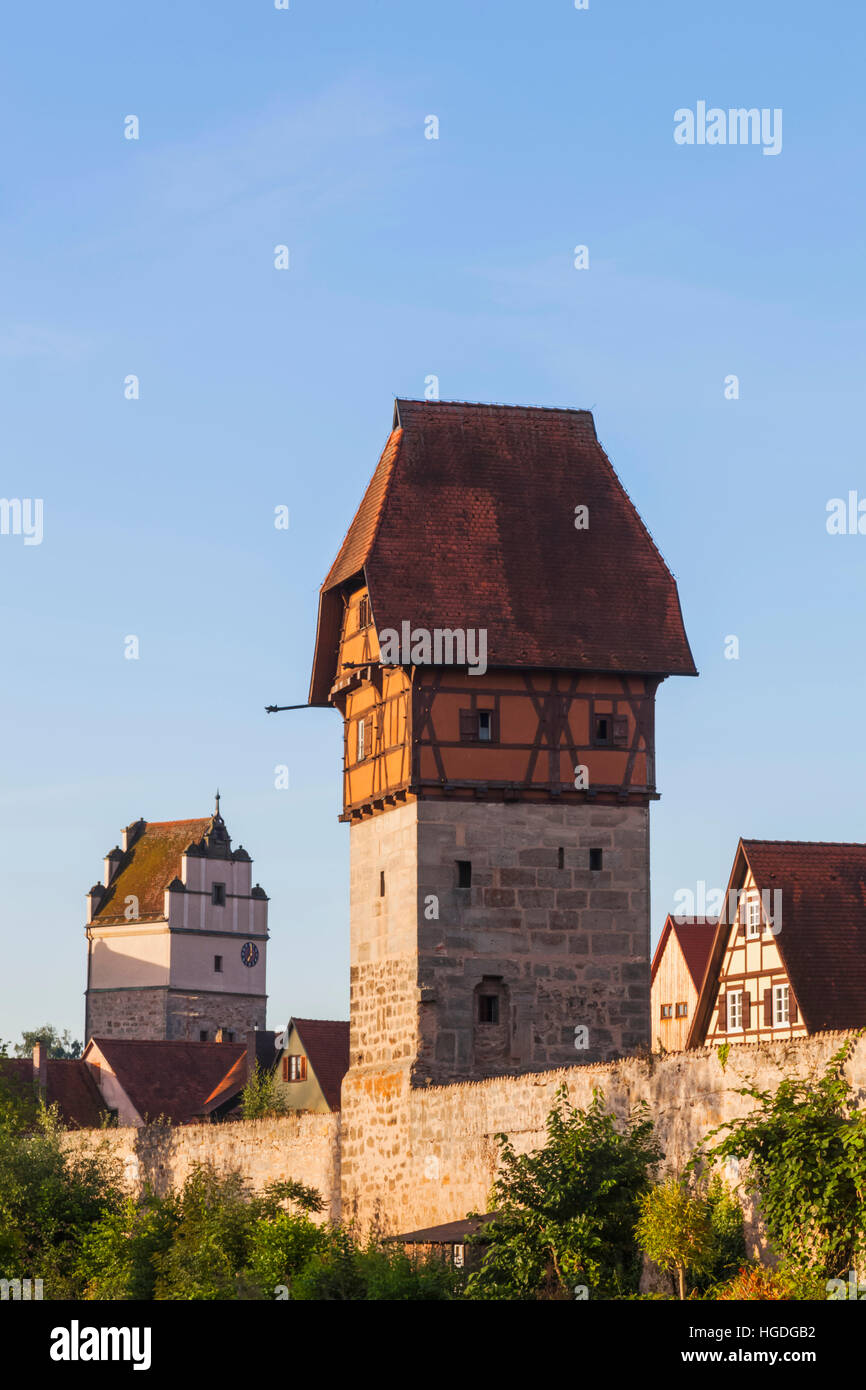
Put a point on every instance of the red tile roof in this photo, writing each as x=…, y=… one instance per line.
x=694, y=936
x=69, y=1085
x=468, y=522
x=326, y=1044
x=172, y=1079
x=148, y=867
x=822, y=941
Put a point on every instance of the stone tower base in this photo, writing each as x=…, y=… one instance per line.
x=163, y=1014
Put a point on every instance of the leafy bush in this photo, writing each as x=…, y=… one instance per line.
x=566, y=1215
x=806, y=1146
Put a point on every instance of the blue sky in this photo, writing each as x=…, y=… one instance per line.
x=408, y=257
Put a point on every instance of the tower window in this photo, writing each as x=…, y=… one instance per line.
x=667, y=1010
x=218, y=964
x=595, y=858
x=218, y=894
x=381, y=883
x=560, y=857
x=488, y=1008
x=363, y=614
x=464, y=873
x=479, y=726
x=361, y=740
x=602, y=729
x=202, y=1037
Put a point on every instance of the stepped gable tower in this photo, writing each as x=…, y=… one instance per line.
x=176, y=936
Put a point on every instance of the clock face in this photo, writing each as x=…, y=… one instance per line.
x=249, y=953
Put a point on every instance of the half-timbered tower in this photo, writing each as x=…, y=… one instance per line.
x=493, y=632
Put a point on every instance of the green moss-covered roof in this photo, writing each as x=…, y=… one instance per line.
x=148, y=867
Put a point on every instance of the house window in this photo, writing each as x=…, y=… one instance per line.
x=735, y=1011
x=601, y=730
x=381, y=883
x=781, y=1005
x=295, y=1067
x=464, y=873
x=682, y=1011
x=595, y=858
x=218, y=894
x=363, y=614
x=488, y=1008
x=753, y=918
x=485, y=725
x=361, y=753
x=667, y=1010
x=202, y=1036
x=218, y=964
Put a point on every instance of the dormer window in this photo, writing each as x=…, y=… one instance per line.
x=218, y=894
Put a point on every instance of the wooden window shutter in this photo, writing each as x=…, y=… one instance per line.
x=723, y=1013
x=620, y=730
x=468, y=726
x=747, y=1010
x=793, y=1013
x=768, y=1008
x=285, y=1068
x=742, y=909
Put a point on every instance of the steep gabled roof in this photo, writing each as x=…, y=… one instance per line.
x=822, y=940
x=173, y=1079
x=469, y=522
x=694, y=936
x=148, y=867
x=326, y=1044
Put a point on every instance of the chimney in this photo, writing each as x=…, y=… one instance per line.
x=130, y=834
x=111, y=863
x=252, y=1034
x=40, y=1066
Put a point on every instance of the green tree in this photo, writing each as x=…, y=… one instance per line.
x=806, y=1149
x=675, y=1231
x=48, y=1199
x=58, y=1045
x=566, y=1214
x=263, y=1097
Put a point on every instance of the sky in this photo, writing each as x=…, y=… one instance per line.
x=261, y=388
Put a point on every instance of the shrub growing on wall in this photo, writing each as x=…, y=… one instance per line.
x=566, y=1214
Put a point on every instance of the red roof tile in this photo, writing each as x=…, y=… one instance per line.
x=326, y=1044
x=148, y=867
x=69, y=1085
x=694, y=935
x=172, y=1079
x=469, y=523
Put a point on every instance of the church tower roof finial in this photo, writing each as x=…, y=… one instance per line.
x=217, y=808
